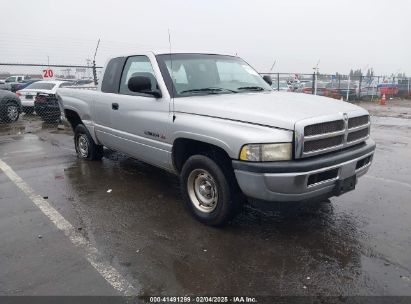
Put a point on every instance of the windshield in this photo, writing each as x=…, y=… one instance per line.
x=203, y=74
x=41, y=86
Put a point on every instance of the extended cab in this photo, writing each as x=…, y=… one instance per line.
x=214, y=121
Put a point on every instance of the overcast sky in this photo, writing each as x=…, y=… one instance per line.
x=296, y=33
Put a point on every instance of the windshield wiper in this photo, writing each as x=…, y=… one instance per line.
x=211, y=90
x=255, y=88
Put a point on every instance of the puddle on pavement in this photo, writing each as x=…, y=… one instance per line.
x=143, y=222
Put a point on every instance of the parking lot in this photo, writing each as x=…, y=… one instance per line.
x=129, y=223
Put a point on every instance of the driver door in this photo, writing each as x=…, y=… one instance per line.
x=139, y=121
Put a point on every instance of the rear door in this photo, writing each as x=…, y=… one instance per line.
x=139, y=121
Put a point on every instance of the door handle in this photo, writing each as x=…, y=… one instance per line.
x=114, y=106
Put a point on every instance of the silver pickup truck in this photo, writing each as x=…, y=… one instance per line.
x=215, y=122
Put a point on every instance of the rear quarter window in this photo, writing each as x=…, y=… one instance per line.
x=112, y=75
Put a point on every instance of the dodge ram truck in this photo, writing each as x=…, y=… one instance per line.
x=216, y=123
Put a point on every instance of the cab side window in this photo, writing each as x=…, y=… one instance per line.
x=112, y=75
x=137, y=66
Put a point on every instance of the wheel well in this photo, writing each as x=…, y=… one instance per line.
x=183, y=148
x=73, y=118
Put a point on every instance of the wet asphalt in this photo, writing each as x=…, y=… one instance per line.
x=356, y=244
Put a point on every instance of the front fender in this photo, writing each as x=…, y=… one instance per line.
x=227, y=134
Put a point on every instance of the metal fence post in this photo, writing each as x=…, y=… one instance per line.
x=313, y=86
x=278, y=81
x=359, y=88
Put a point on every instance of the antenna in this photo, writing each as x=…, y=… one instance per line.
x=94, y=64
x=272, y=67
x=95, y=53
x=172, y=75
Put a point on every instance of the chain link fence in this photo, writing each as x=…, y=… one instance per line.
x=28, y=91
x=340, y=86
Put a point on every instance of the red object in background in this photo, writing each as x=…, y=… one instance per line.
x=382, y=100
x=48, y=73
x=18, y=93
x=389, y=90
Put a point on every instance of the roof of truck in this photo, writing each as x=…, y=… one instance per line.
x=167, y=51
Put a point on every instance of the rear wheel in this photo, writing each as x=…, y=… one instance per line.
x=209, y=189
x=85, y=146
x=11, y=112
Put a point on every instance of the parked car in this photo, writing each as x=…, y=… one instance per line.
x=14, y=81
x=338, y=89
x=46, y=106
x=307, y=88
x=29, y=93
x=84, y=82
x=281, y=86
x=10, y=106
x=17, y=78
x=214, y=121
x=25, y=83
x=4, y=85
x=295, y=85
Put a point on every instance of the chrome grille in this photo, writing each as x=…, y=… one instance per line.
x=324, y=127
x=358, y=121
x=324, y=143
x=330, y=133
x=356, y=135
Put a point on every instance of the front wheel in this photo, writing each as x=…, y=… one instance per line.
x=85, y=146
x=11, y=112
x=209, y=189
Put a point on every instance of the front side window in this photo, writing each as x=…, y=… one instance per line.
x=137, y=66
x=201, y=74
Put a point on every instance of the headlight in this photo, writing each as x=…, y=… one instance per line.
x=266, y=152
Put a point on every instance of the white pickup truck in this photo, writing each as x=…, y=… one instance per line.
x=214, y=121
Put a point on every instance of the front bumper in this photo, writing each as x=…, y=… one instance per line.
x=305, y=179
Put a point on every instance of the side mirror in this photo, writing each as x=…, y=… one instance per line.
x=268, y=79
x=142, y=84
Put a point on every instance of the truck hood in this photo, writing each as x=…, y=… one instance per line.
x=275, y=109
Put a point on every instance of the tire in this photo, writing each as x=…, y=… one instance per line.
x=85, y=146
x=11, y=112
x=210, y=189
